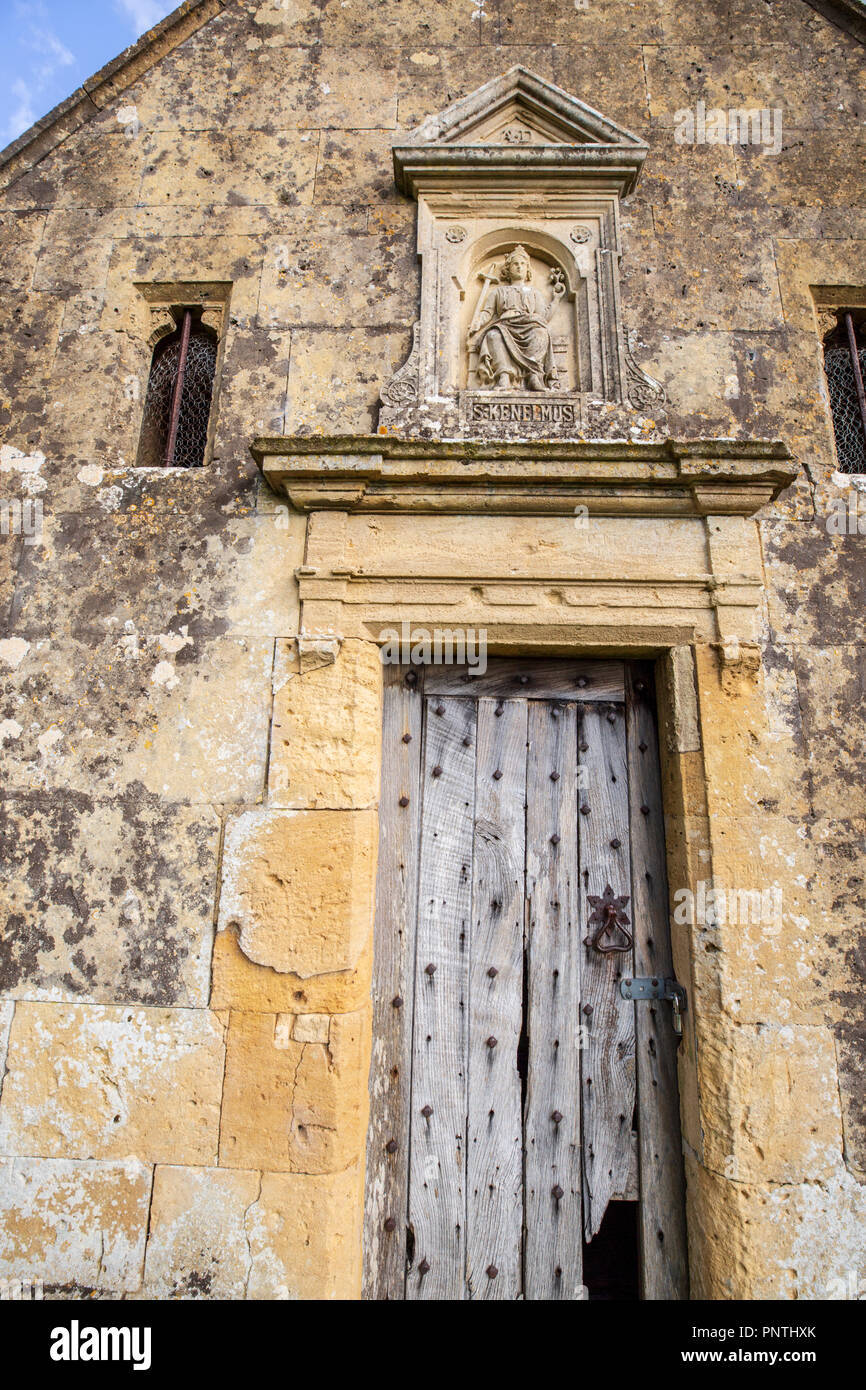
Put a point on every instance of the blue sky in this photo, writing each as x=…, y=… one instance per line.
x=48, y=48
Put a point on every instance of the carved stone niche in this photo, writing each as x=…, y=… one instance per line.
x=520, y=333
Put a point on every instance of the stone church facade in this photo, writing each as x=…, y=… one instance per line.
x=325, y=324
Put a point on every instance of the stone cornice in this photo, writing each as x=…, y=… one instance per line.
x=583, y=167
x=374, y=473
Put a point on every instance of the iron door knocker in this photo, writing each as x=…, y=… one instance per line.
x=608, y=915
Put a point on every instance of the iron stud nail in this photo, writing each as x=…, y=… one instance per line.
x=440, y=709
x=587, y=1009
x=437, y=771
x=397, y=1002
x=615, y=844
x=583, y=747
x=611, y=718
x=557, y=1192
x=524, y=680
x=493, y=972
x=584, y=810
x=412, y=678
x=467, y=743
x=390, y=1224
x=642, y=747
x=554, y=776
x=407, y=738
x=497, y=774
x=556, y=1117
x=427, y=1111
x=423, y=1267
x=554, y=839
x=404, y=801
x=391, y=1146
x=491, y=1041
x=644, y=810
x=430, y=969
x=581, y=681
x=491, y=1271
x=639, y=685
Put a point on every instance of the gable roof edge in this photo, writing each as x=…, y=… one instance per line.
x=849, y=15
x=105, y=86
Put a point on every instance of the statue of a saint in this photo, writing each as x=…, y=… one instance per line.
x=511, y=332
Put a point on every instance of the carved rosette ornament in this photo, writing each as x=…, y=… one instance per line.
x=402, y=389
x=520, y=334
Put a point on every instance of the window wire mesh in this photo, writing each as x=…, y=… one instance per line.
x=847, y=424
x=195, y=405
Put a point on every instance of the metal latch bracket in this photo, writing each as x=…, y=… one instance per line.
x=642, y=987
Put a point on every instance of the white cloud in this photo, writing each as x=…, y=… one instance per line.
x=52, y=57
x=144, y=13
x=23, y=113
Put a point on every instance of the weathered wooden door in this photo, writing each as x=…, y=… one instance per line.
x=514, y=1091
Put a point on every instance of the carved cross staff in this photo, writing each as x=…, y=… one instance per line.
x=487, y=281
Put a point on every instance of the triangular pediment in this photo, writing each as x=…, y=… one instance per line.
x=520, y=107
x=518, y=126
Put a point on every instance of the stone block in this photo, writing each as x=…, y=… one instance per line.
x=788, y=1241
x=107, y=901
x=201, y=169
x=234, y=1234
x=300, y=887
x=95, y=1082
x=199, y=1239
x=335, y=377
x=326, y=729
x=290, y=1105
x=185, y=719
x=238, y=983
x=832, y=686
x=74, y=1224
x=770, y=1103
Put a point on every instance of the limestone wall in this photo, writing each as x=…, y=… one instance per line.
x=189, y=802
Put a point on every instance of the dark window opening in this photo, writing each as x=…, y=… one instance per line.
x=845, y=368
x=610, y=1261
x=177, y=407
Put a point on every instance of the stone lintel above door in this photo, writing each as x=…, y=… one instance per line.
x=560, y=547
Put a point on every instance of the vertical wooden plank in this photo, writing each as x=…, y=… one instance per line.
x=608, y=1067
x=437, y=1171
x=553, y=1257
x=664, y=1257
x=494, y=1215
x=390, y=1070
